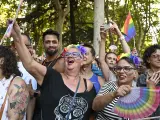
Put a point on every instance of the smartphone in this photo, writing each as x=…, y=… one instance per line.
x=107, y=25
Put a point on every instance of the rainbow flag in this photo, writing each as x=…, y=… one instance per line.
x=128, y=29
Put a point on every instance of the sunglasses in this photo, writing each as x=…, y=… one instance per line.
x=73, y=54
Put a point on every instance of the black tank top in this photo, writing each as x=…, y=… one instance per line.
x=56, y=98
x=37, y=110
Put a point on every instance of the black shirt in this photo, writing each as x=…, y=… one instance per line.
x=56, y=98
x=37, y=110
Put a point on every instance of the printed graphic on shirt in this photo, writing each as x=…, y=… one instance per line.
x=78, y=110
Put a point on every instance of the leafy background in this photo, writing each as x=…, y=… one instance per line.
x=74, y=20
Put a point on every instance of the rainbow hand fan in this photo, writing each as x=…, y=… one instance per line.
x=140, y=103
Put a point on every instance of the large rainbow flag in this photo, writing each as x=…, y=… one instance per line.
x=128, y=29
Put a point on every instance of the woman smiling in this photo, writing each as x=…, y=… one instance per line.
x=111, y=91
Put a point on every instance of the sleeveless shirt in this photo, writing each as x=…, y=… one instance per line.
x=56, y=98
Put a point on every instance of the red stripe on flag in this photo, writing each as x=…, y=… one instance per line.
x=126, y=24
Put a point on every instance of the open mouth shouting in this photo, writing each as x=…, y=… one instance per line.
x=70, y=61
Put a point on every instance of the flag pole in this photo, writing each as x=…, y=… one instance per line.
x=134, y=42
x=10, y=26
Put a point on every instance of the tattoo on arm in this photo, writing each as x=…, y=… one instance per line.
x=19, y=100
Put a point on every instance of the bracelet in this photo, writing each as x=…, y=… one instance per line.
x=122, y=38
x=113, y=94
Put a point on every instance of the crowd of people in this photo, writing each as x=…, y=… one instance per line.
x=73, y=84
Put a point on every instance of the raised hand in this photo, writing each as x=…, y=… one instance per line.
x=15, y=33
x=103, y=33
x=114, y=29
x=153, y=80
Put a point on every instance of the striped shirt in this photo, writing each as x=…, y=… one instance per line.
x=107, y=113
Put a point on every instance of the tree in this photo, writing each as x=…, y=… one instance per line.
x=98, y=21
x=72, y=21
x=62, y=13
x=38, y=15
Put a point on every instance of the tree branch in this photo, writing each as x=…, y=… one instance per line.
x=67, y=9
x=33, y=15
x=58, y=5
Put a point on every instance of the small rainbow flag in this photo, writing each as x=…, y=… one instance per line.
x=128, y=29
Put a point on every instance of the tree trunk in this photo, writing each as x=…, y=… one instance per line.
x=139, y=40
x=59, y=27
x=107, y=16
x=72, y=22
x=140, y=29
x=62, y=13
x=98, y=21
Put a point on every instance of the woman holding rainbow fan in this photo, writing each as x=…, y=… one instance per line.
x=111, y=91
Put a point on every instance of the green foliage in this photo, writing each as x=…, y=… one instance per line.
x=38, y=15
x=145, y=17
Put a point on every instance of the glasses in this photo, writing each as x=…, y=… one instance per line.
x=155, y=56
x=126, y=69
x=73, y=54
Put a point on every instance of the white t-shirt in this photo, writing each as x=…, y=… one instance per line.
x=26, y=76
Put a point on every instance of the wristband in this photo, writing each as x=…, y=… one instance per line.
x=114, y=94
x=121, y=38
